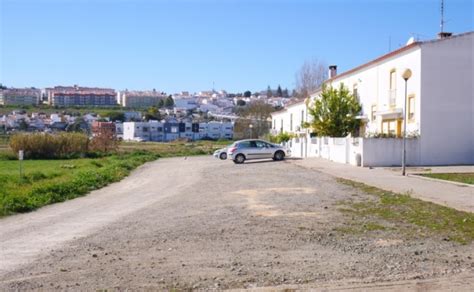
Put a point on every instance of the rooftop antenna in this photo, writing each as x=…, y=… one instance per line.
x=442, y=34
x=441, y=25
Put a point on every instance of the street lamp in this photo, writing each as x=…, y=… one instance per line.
x=250, y=130
x=405, y=75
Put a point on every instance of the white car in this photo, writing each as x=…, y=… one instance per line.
x=221, y=153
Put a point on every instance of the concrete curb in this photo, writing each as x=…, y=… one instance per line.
x=420, y=176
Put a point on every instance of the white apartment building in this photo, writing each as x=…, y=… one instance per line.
x=439, y=111
x=169, y=131
x=139, y=99
x=20, y=96
x=186, y=103
x=216, y=130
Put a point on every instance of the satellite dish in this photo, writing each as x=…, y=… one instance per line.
x=410, y=41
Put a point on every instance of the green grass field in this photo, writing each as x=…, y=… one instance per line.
x=49, y=181
x=467, y=178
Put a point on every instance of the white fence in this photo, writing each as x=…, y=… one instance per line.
x=357, y=151
x=388, y=152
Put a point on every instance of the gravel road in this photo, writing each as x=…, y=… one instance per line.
x=207, y=224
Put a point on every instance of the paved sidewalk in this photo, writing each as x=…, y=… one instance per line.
x=447, y=194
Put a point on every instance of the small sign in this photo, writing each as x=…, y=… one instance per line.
x=20, y=155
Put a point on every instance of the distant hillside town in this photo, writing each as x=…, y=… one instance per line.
x=145, y=115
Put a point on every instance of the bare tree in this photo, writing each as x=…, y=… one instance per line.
x=310, y=77
x=254, y=121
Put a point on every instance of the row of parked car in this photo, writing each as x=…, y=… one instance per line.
x=249, y=149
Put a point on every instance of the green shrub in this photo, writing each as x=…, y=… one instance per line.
x=280, y=138
x=7, y=155
x=50, y=146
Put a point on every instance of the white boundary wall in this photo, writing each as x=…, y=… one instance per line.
x=357, y=151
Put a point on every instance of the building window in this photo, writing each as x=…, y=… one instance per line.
x=274, y=124
x=393, y=88
x=373, y=110
x=291, y=122
x=355, y=92
x=281, y=125
x=393, y=79
x=411, y=108
x=145, y=129
x=302, y=117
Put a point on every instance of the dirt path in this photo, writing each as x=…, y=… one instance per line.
x=27, y=236
x=203, y=223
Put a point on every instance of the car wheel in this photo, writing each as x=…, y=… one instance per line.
x=279, y=155
x=239, y=159
x=223, y=156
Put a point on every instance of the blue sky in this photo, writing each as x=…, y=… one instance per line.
x=187, y=45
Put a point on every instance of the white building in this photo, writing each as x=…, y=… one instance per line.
x=173, y=130
x=143, y=131
x=439, y=113
x=140, y=99
x=290, y=120
x=216, y=130
x=20, y=96
x=186, y=103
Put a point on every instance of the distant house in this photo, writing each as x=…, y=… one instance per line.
x=439, y=107
x=186, y=103
x=103, y=128
x=58, y=126
x=133, y=116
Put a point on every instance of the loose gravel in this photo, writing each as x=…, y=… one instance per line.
x=201, y=223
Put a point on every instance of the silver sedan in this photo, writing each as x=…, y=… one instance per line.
x=255, y=149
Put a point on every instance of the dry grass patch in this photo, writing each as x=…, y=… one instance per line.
x=407, y=215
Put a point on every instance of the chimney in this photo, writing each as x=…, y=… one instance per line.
x=332, y=71
x=444, y=35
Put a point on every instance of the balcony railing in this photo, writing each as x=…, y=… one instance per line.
x=392, y=97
